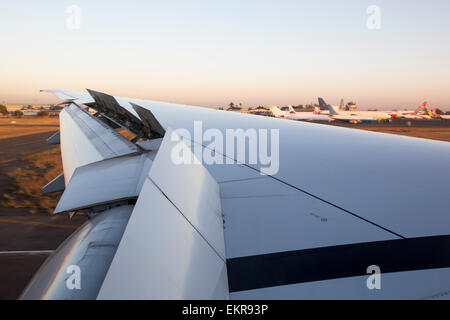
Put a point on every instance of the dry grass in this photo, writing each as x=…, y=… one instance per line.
x=17, y=127
x=30, y=121
x=12, y=132
x=25, y=191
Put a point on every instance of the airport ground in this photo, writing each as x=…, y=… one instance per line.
x=29, y=232
x=427, y=129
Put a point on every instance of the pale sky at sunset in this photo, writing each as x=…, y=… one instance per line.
x=212, y=52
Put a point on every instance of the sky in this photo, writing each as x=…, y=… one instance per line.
x=210, y=53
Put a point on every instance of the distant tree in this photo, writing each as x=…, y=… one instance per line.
x=439, y=111
x=232, y=106
x=3, y=109
x=18, y=113
x=300, y=106
x=447, y=113
x=30, y=107
x=42, y=114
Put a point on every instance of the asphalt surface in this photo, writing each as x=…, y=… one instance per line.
x=17, y=269
x=26, y=240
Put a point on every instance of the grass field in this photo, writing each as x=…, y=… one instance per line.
x=16, y=127
x=28, y=169
x=30, y=121
x=27, y=182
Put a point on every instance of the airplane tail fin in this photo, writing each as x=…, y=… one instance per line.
x=433, y=114
x=291, y=110
x=276, y=112
x=316, y=110
x=332, y=111
x=322, y=104
x=421, y=109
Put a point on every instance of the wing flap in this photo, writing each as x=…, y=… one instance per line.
x=85, y=139
x=104, y=182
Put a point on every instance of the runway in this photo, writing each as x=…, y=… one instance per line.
x=26, y=240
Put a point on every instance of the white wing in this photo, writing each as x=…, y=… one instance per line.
x=299, y=233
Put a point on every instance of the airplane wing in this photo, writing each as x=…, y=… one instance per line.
x=68, y=95
x=181, y=212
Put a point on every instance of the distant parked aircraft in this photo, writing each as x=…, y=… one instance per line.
x=307, y=116
x=420, y=113
x=434, y=115
x=379, y=115
x=349, y=118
